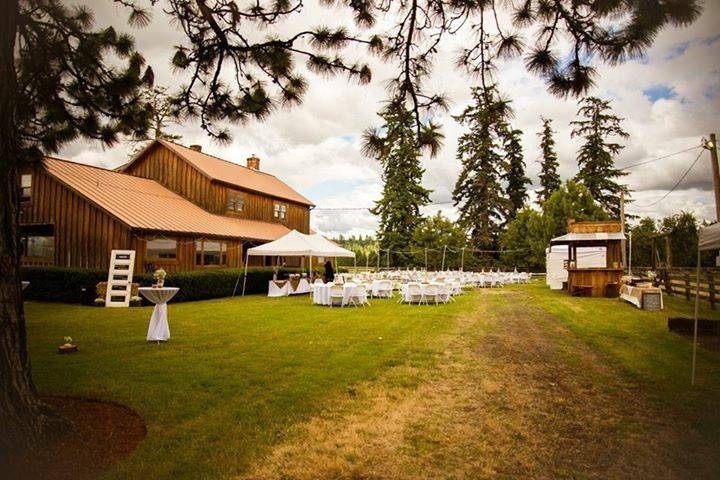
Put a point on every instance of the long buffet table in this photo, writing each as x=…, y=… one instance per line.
x=640, y=296
x=284, y=288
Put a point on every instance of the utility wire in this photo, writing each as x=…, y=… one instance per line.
x=677, y=184
x=633, y=165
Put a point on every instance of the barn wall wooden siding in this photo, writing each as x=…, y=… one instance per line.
x=85, y=234
x=164, y=166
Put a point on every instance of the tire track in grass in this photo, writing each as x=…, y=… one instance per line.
x=513, y=395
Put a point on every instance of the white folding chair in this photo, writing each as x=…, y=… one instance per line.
x=432, y=292
x=337, y=292
x=444, y=293
x=385, y=289
x=415, y=293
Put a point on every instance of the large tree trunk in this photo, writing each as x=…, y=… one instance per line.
x=24, y=418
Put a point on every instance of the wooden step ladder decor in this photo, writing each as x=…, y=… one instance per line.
x=119, y=284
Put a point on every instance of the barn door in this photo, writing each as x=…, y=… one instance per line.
x=122, y=263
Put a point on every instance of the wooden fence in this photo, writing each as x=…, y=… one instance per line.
x=681, y=281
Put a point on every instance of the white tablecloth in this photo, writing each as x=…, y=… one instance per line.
x=24, y=284
x=375, y=287
x=321, y=294
x=275, y=291
x=303, y=287
x=159, y=330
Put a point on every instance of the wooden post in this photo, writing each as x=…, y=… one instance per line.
x=623, y=257
x=711, y=289
x=687, y=286
x=712, y=146
x=668, y=283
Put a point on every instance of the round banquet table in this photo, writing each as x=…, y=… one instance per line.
x=405, y=290
x=159, y=330
x=321, y=294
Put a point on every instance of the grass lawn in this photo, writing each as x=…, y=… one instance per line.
x=236, y=373
x=239, y=374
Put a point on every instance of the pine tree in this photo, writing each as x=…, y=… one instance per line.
x=549, y=178
x=162, y=118
x=596, y=157
x=514, y=175
x=398, y=149
x=478, y=193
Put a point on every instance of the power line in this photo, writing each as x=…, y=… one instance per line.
x=677, y=184
x=645, y=162
x=447, y=202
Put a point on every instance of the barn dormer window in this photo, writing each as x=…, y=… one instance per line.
x=280, y=211
x=235, y=202
x=25, y=187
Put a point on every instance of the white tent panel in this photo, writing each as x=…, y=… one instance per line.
x=709, y=237
x=587, y=257
x=296, y=244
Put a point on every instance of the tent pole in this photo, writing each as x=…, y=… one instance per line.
x=426, y=259
x=247, y=256
x=695, y=326
x=378, y=254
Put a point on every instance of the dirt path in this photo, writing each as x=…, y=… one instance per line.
x=514, y=395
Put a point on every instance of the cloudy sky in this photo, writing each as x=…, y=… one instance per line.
x=670, y=100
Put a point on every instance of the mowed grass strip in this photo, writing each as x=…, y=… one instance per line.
x=236, y=374
x=639, y=342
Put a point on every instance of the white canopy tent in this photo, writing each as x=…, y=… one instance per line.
x=708, y=239
x=296, y=244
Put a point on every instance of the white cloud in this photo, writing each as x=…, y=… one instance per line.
x=315, y=146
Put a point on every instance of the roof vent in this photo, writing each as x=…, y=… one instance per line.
x=253, y=163
x=197, y=148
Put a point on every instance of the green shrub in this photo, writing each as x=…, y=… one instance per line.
x=74, y=285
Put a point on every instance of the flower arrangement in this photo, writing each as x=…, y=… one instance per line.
x=68, y=346
x=159, y=277
x=651, y=275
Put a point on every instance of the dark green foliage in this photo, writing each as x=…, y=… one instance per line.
x=74, y=80
x=433, y=233
x=642, y=243
x=549, y=177
x=514, y=174
x=596, y=157
x=478, y=193
x=683, y=229
x=74, y=285
x=524, y=242
x=398, y=149
x=531, y=231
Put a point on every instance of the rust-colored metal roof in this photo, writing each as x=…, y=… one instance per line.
x=146, y=205
x=237, y=175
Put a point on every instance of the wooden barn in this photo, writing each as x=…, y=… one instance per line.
x=593, y=281
x=178, y=208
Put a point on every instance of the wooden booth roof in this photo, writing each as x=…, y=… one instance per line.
x=230, y=173
x=144, y=204
x=587, y=238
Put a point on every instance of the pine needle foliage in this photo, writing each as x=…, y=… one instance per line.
x=479, y=194
x=398, y=149
x=596, y=157
x=549, y=177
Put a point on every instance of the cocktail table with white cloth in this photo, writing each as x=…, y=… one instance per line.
x=159, y=330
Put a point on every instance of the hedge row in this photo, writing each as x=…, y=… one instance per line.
x=72, y=285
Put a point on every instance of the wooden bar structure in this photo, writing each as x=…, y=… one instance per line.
x=178, y=208
x=596, y=281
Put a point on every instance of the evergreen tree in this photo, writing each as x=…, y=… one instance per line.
x=398, y=148
x=162, y=118
x=514, y=171
x=478, y=193
x=549, y=178
x=596, y=157
x=434, y=233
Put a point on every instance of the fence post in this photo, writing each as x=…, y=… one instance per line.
x=687, y=286
x=668, y=283
x=711, y=289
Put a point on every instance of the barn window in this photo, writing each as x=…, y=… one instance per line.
x=161, y=249
x=37, y=241
x=235, y=202
x=25, y=187
x=280, y=211
x=210, y=253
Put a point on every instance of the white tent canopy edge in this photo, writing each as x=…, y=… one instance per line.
x=708, y=239
x=296, y=244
